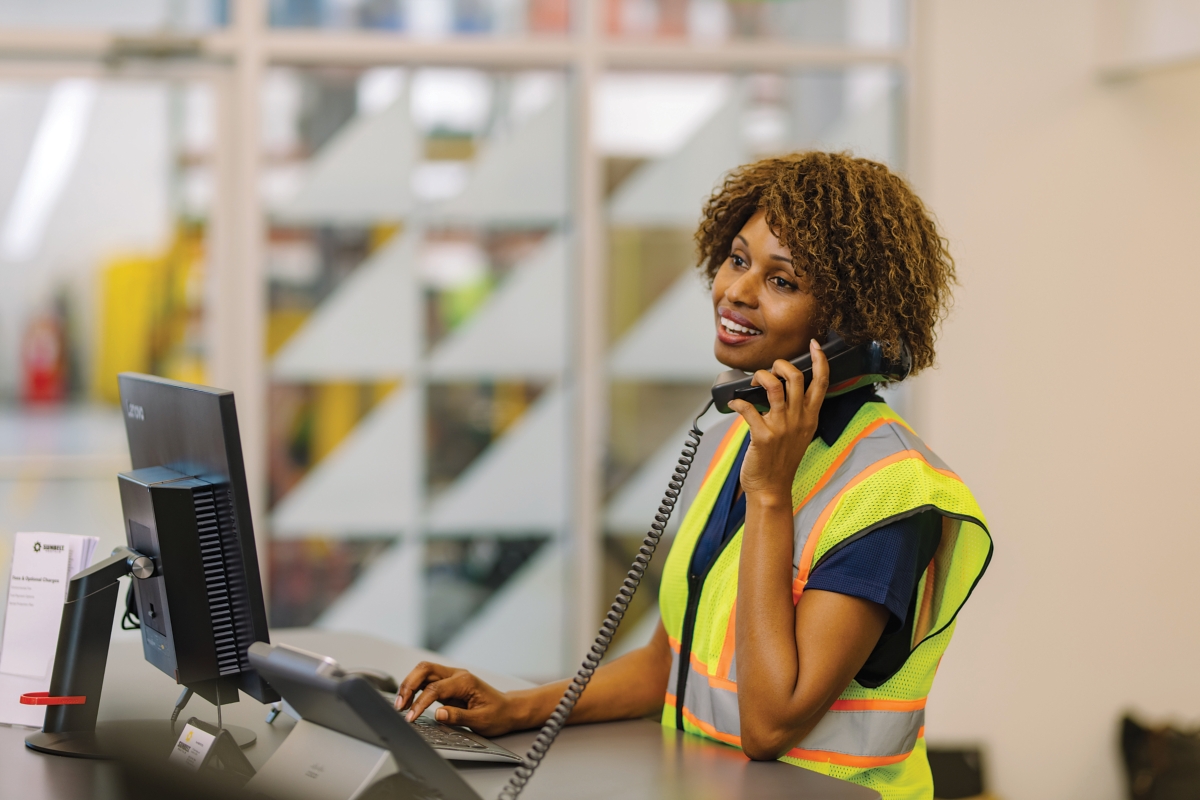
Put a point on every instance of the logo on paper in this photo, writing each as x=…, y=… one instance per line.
x=136, y=412
x=39, y=547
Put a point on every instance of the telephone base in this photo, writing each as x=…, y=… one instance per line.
x=318, y=763
x=108, y=738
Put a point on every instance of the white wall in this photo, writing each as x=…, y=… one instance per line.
x=1064, y=397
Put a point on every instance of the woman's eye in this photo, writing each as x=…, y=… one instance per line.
x=783, y=283
x=737, y=260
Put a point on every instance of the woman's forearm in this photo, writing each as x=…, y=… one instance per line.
x=630, y=687
x=767, y=658
x=793, y=660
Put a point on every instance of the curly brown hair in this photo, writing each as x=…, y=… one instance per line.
x=878, y=266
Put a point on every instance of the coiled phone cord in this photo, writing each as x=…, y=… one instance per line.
x=549, y=732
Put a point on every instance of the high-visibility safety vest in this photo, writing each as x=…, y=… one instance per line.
x=877, y=472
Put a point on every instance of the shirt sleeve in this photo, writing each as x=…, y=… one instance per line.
x=884, y=566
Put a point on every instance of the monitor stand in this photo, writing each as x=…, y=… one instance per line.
x=109, y=738
x=79, y=663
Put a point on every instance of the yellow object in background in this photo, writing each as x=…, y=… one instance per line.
x=127, y=294
x=151, y=315
x=281, y=324
x=336, y=410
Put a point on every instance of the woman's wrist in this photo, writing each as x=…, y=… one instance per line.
x=769, y=497
x=529, y=708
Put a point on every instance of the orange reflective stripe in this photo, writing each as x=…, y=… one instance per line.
x=837, y=462
x=823, y=756
x=819, y=526
x=724, y=444
x=709, y=730
x=718, y=682
x=878, y=705
x=702, y=668
x=843, y=760
x=730, y=646
x=810, y=545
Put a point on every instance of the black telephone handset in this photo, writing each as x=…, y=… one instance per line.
x=845, y=363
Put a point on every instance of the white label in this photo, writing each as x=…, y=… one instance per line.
x=192, y=747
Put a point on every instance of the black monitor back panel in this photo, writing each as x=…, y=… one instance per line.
x=193, y=432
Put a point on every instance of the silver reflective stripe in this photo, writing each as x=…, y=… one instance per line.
x=884, y=441
x=913, y=442
x=866, y=733
x=673, y=678
x=870, y=734
x=713, y=706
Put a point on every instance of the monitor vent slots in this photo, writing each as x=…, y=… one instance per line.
x=217, y=583
x=235, y=574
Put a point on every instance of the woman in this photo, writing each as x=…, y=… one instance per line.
x=815, y=579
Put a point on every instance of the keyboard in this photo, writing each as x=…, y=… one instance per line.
x=458, y=744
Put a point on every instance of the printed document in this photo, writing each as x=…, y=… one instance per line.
x=42, y=565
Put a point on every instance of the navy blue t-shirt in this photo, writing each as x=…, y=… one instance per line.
x=883, y=565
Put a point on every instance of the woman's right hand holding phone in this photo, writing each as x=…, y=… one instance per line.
x=466, y=700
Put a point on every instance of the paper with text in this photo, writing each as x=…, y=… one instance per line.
x=42, y=565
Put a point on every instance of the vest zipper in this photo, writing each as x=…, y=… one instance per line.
x=695, y=590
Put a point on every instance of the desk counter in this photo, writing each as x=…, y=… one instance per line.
x=633, y=759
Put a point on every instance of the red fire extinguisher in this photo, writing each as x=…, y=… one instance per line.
x=43, y=360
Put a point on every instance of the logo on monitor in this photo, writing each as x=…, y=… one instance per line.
x=136, y=412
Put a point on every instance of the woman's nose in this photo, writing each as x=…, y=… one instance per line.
x=742, y=291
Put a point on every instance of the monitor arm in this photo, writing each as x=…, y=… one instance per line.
x=83, y=638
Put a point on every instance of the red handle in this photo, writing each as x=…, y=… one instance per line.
x=44, y=699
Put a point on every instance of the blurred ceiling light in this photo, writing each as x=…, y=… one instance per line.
x=449, y=264
x=51, y=159
x=457, y=100
x=648, y=115
x=439, y=180
x=378, y=88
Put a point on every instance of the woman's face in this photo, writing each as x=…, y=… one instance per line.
x=763, y=305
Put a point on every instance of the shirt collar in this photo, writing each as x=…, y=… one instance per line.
x=836, y=412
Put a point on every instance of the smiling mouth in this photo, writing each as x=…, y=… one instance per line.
x=738, y=330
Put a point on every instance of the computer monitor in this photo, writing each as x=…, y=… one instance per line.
x=186, y=506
